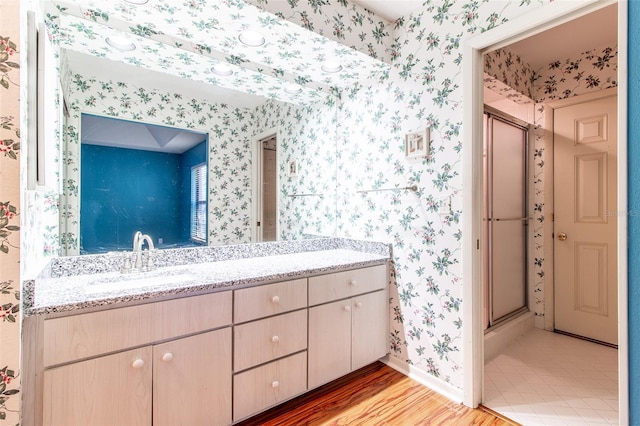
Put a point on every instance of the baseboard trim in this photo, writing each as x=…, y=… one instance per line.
x=424, y=378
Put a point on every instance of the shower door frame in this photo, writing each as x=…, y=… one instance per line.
x=528, y=191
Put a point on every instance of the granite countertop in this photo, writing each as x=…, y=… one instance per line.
x=52, y=292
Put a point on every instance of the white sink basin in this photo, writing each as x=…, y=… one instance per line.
x=138, y=281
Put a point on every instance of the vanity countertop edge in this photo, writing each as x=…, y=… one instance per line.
x=51, y=294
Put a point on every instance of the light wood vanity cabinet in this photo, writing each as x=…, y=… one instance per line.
x=214, y=358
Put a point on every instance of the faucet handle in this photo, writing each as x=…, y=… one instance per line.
x=150, y=265
x=138, y=257
x=126, y=266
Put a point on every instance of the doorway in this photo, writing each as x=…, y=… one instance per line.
x=534, y=23
x=266, y=189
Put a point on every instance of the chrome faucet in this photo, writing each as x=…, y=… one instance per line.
x=139, y=264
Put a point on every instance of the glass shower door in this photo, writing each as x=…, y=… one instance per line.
x=506, y=218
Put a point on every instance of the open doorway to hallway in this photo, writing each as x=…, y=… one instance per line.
x=532, y=375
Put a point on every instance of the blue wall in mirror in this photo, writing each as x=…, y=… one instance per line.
x=125, y=190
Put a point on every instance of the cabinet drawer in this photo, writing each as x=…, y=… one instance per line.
x=325, y=288
x=80, y=336
x=261, y=341
x=271, y=299
x=268, y=385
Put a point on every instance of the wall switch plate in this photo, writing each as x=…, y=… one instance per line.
x=444, y=207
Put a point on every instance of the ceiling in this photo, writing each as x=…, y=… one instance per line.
x=116, y=133
x=597, y=29
x=390, y=9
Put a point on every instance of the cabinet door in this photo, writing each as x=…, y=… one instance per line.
x=109, y=390
x=329, y=342
x=369, y=325
x=192, y=380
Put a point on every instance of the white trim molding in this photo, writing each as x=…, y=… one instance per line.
x=419, y=375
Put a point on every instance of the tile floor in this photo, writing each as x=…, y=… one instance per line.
x=545, y=378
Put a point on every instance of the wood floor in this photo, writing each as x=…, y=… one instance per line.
x=374, y=395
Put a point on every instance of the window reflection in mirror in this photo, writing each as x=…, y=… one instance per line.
x=138, y=176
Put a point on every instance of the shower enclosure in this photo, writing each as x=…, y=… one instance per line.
x=505, y=218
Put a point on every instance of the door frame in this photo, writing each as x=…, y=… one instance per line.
x=549, y=187
x=256, y=184
x=531, y=23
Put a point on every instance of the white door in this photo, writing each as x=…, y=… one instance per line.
x=585, y=156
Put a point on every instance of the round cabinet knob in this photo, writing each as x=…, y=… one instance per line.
x=359, y=305
x=347, y=308
x=275, y=384
x=138, y=363
x=275, y=339
x=562, y=236
x=167, y=357
x=275, y=299
x=353, y=283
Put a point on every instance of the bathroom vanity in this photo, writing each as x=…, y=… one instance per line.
x=213, y=336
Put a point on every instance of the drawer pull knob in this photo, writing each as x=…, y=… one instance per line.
x=167, y=357
x=275, y=339
x=359, y=305
x=347, y=308
x=138, y=363
x=275, y=384
x=275, y=299
x=353, y=283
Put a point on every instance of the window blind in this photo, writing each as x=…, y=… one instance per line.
x=199, y=202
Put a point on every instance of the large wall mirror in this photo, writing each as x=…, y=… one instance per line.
x=129, y=130
x=197, y=73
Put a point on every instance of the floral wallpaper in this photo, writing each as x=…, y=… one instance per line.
x=509, y=69
x=10, y=211
x=589, y=71
x=342, y=21
x=306, y=136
